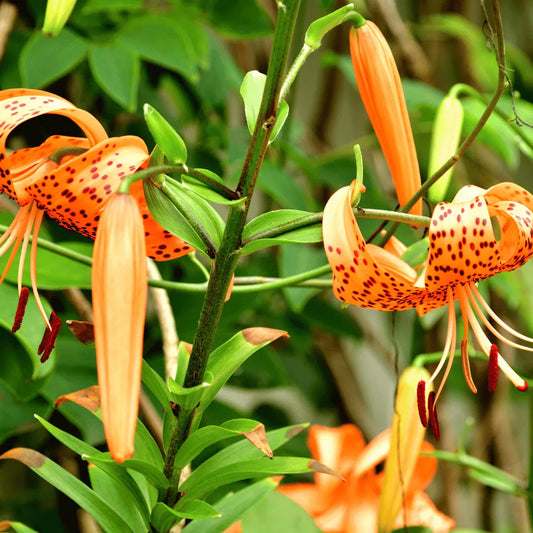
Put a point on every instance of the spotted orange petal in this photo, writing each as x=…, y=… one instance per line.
x=29, y=164
x=364, y=274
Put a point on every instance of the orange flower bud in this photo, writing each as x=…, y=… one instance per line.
x=119, y=287
x=382, y=95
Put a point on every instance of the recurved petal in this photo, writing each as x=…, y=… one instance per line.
x=29, y=164
x=462, y=245
x=338, y=448
x=420, y=510
x=75, y=193
x=161, y=245
x=364, y=275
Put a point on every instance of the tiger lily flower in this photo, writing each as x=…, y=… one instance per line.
x=351, y=505
x=463, y=250
x=382, y=94
x=72, y=188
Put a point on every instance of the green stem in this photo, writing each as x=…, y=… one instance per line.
x=500, y=89
x=297, y=64
x=153, y=172
x=227, y=256
x=359, y=212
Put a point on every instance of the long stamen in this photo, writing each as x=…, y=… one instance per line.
x=516, y=380
x=421, y=402
x=492, y=376
x=21, y=307
x=15, y=236
x=9, y=231
x=493, y=315
x=24, y=247
x=450, y=335
x=495, y=332
x=463, y=303
x=33, y=266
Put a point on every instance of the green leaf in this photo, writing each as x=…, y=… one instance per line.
x=417, y=253
x=165, y=136
x=205, y=191
x=295, y=259
x=55, y=271
x=18, y=527
x=18, y=416
x=117, y=70
x=195, y=509
x=112, y=491
x=97, y=6
x=122, y=483
x=278, y=509
x=282, y=187
x=238, y=19
x=232, y=507
x=227, y=358
x=169, y=216
x=165, y=41
x=21, y=370
x=44, y=60
x=198, y=441
x=155, y=384
x=252, y=88
x=189, y=397
x=72, y=487
x=202, y=482
x=271, y=219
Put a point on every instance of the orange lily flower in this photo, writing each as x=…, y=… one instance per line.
x=463, y=250
x=72, y=191
x=350, y=505
x=119, y=285
x=381, y=91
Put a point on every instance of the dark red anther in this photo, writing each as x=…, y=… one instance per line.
x=493, y=368
x=50, y=336
x=433, y=418
x=421, y=401
x=21, y=307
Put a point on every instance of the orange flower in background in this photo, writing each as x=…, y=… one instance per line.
x=72, y=190
x=119, y=287
x=381, y=91
x=463, y=250
x=351, y=506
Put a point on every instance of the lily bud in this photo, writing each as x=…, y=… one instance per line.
x=444, y=142
x=119, y=287
x=56, y=16
x=381, y=91
x=407, y=436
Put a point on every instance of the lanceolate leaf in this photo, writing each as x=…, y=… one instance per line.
x=72, y=487
x=232, y=507
x=227, y=358
x=166, y=137
x=18, y=527
x=207, y=435
x=202, y=482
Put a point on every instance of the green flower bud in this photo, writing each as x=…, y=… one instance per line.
x=166, y=137
x=444, y=142
x=56, y=16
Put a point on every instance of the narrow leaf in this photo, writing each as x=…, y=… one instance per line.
x=71, y=487
x=165, y=136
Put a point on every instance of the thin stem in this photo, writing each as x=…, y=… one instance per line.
x=359, y=212
x=153, y=172
x=500, y=89
x=297, y=64
x=226, y=257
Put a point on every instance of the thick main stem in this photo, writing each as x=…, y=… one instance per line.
x=227, y=255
